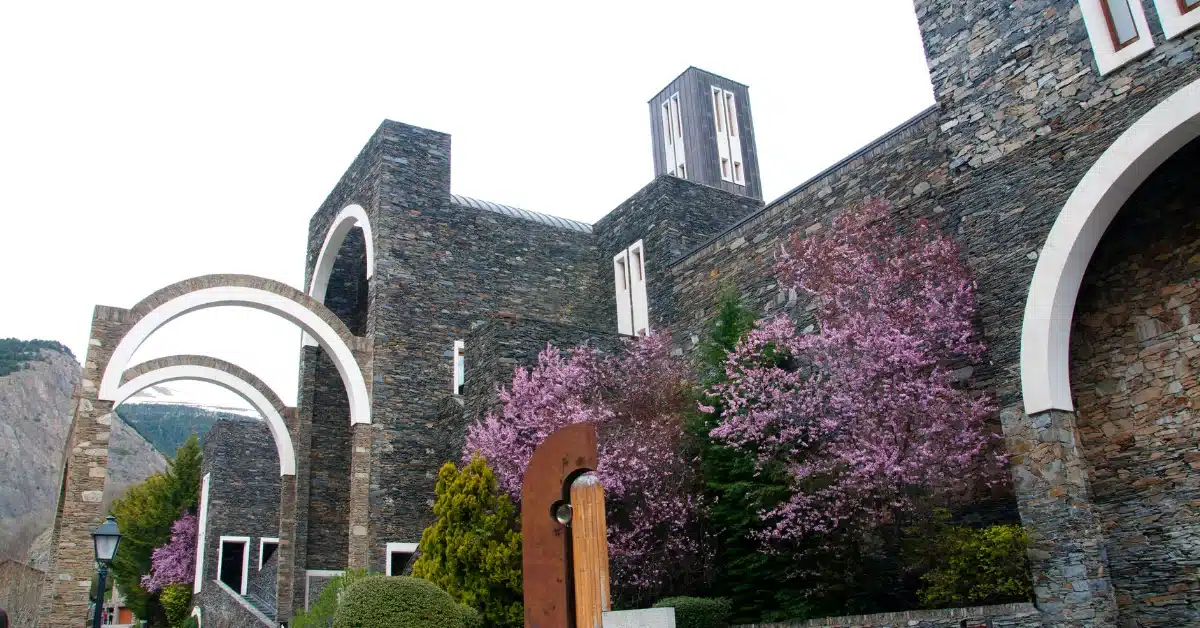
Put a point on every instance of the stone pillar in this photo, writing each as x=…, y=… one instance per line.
x=286, y=580
x=359, y=556
x=1066, y=547
x=302, y=442
x=64, y=598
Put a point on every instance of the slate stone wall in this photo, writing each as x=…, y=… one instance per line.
x=497, y=348
x=1135, y=359
x=998, y=616
x=329, y=469
x=243, y=488
x=220, y=607
x=672, y=217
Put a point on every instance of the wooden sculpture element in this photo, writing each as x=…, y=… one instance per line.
x=589, y=555
x=563, y=456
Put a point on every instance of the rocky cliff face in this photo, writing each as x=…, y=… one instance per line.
x=35, y=417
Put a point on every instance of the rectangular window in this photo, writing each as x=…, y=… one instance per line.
x=718, y=115
x=672, y=129
x=621, y=281
x=266, y=549
x=399, y=555
x=1188, y=5
x=233, y=562
x=737, y=172
x=639, y=306
x=730, y=114
x=1120, y=22
x=460, y=366
x=636, y=260
x=666, y=124
x=675, y=111
x=724, y=168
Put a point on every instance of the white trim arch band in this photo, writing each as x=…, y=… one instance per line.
x=1050, y=307
x=351, y=216
x=244, y=296
x=228, y=381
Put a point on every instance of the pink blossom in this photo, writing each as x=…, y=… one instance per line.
x=637, y=401
x=864, y=412
x=175, y=561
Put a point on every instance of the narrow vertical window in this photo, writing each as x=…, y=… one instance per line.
x=737, y=171
x=622, y=296
x=675, y=110
x=619, y=271
x=1120, y=22
x=637, y=264
x=730, y=112
x=717, y=113
x=460, y=366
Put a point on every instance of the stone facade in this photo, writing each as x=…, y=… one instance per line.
x=244, y=482
x=1135, y=358
x=999, y=616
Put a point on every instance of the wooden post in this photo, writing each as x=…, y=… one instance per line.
x=589, y=545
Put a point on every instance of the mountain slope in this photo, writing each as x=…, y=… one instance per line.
x=35, y=416
x=167, y=425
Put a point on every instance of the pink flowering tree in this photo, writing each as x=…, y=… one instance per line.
x=175, y=561
x=638, y=401
x=864, y=413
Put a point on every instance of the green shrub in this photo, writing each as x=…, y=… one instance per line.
x=176, y=600
x=974, y=566
x=321, y=611
x=698, y=612
x=401, y=602
x=190, y=623
x=473, y=549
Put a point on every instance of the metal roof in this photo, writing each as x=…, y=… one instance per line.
x=517, y=212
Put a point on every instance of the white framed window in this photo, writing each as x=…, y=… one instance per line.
x=729, y=145
x=398, y=557
x=267, y=546
x=309, y=574
x=624, y=303
x=1177, y=16
x=672, y=130
x=629, y=274
x=1117, y=30
x=233, y=562
x=201, y=526
x=460, y=366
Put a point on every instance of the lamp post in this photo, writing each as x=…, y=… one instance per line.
x=106, y=538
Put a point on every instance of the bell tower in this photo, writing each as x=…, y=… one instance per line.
x=703, y=132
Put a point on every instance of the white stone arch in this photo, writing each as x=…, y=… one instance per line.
x=244, y=291
x=350, y=217
x=1046, y=332
x=251, y=391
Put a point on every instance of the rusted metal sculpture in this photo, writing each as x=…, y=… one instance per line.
x=545, y=509
x=589, y=551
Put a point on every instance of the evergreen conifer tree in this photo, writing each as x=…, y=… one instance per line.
x=473, y=548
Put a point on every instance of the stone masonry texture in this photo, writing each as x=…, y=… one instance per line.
x=1135, y=360
x=244, y=484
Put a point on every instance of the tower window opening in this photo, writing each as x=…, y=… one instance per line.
x=675, y=111
x=460, y=366
x=637, y=264
x=737, y=171
x=724, y=168
x=718, y=115
x=1121, y=26
x=729, y=114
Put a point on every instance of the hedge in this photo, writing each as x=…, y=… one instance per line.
x=400, y=602
x=698, y=612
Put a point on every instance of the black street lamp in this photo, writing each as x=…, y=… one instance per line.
x=106, y=538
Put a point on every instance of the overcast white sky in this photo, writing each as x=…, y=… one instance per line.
x=142, y=143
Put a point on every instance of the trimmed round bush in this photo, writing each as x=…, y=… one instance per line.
x=698, y=612
x=400, y=602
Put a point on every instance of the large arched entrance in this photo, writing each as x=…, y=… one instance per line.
x=1107, y=380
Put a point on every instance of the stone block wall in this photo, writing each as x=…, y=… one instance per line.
x=672, y=217
x=1135, y=361
x=998, y=616
x=221, y=607
x=244, y=489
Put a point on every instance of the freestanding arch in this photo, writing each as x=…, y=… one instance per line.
x=1050, y=307
x=350, y=217
x=226, y=375
x=268, y=295
x=116, y=333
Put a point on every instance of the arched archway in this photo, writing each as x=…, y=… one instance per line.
x=350, y=217
x=1050, y=306
x=221, y=373
x=247, y=291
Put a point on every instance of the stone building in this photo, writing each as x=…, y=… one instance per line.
x=1054, y=120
